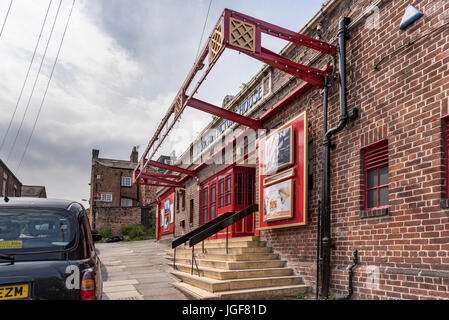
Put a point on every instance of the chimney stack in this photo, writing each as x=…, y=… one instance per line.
x=134, y=155
x=95, y=153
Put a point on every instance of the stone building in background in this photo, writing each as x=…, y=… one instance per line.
x=10, y=184
x=34, y=192
x=114, y=200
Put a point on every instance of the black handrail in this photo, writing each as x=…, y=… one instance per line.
x=178, y=241
x=220, y=225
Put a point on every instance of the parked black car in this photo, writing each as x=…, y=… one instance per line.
x=47, y=251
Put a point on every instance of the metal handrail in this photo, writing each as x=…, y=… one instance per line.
x=220, y=225
x=177, y=242
x=210, y=228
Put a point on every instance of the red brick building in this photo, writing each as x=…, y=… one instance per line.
x=10, y=184
x=114, y=200
x=389, y=165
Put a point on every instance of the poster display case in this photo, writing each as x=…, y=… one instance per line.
x=166, y=214
x=283, y=175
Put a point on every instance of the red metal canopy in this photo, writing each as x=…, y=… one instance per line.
x=242, y=33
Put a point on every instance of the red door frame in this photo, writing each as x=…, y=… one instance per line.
x=226, y=201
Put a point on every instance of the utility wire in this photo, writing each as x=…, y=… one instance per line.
x=46, y=89
x=6, y=18
x=26, y=78
x=202, y=33
x=35, y=81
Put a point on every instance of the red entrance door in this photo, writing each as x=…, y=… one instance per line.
x=231, y=190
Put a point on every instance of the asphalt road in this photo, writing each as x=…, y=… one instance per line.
x=136, y=271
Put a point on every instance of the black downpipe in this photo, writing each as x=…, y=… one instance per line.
x=318, y=245
x=351, y=275
x=326, y=193
x=318, y=237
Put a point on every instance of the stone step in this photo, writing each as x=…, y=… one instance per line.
x=214, y=285
x=233, y=250
x=233, y=244
x=228, y=257
x=194, y=293
x=229, y=265
x=236, y=239
x=223, y=274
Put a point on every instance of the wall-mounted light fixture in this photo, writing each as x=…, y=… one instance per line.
x=411, y=14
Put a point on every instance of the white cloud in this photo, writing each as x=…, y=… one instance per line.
x=119, y=70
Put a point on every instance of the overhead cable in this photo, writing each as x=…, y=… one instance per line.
x=46, y=89
x=6, y=18
x=202, y=33
x=26, y=78
x=35, y=82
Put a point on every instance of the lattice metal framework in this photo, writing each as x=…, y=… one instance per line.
x=216, y=42
x=242, y=33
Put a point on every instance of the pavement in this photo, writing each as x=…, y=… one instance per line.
x=137, y=270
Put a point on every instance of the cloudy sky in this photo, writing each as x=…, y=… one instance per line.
x=120, y=66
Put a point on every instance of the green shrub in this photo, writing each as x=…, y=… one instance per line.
x=125, y=230
x=137, y=232
x=105, y=233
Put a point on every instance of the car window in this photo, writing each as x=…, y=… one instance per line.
x=35, y=230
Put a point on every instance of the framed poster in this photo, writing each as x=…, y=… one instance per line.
x=283, y=193
x=166, y=223
x=278, y=201
x=277, y=150
x=172, y=219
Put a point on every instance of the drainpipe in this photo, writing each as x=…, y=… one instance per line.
x=326, y=192
x=318, y=245
x=351, y=275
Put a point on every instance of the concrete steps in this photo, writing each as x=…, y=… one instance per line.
x=229, y=257
x=230, y=265
x=231, y=250
x=223, y=274
x=195, y=293
x=214, y=285
x=249, y=271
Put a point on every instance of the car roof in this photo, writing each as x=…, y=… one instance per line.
x=37, y=203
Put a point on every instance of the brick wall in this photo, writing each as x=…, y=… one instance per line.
x=115, y=218
x=109, y=181
x=405, y=251
x=13, y=185
x=404, y=254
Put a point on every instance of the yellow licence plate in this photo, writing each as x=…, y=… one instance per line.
x=14, y=292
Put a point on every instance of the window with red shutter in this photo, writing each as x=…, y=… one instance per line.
x=376, y=175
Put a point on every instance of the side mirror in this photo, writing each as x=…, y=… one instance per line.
x=96, y=236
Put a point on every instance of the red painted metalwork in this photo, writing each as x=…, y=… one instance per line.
x=164, y=181
x=160, y=175
x=156, y=184
x=312, y=76
x=282, y=33
x=170, y=168
x=375, y=158
x=223, y=113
